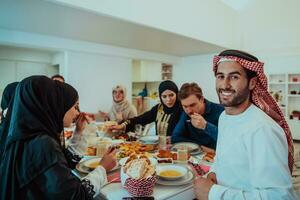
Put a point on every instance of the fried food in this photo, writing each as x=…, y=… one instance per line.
x=127, y=149
x=91, y=151
x=167, y=154
x=209, y=157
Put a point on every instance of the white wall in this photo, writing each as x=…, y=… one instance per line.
x=94, y=75
x=23, y=54
x=93, y=69
x=276, y=64
x=18, y=63
x=270, y=26
x=197, y=69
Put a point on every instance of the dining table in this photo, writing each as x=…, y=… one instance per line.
x=115, y=191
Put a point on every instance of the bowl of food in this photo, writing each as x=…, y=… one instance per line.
x=171, y=172
x=92, y=163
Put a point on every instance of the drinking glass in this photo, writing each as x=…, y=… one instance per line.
x=102, y=147
x=164, y=142
x=182, y=154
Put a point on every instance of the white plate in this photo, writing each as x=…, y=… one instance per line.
x=152, y=160
x=83, y=166
x=187, y=179
x=149, y=139
x=91, y=163
x=191, y=146
x=182, y=170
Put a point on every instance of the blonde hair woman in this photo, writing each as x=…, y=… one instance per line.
x=121, y=109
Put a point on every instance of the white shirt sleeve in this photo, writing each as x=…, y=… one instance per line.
x=270, y=177
x=98, y=178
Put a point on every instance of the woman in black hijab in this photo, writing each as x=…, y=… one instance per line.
x=165, y=114
x=34, y=165
x=7, y=97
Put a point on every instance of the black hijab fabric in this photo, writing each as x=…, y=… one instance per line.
x=176, y=110
x=168, y=85
x=7, y=97
x=38, y=109
x=8, y=94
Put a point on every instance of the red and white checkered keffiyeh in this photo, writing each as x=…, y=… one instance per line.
x=262, y=99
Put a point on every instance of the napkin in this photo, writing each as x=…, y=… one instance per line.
x=200, y=169
x=114, y=177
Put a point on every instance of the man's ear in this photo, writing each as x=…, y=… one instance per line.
x=252, y=83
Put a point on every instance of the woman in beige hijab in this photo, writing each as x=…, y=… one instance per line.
x=121, y=109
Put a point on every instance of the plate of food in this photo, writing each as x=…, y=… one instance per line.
x=89, y=164
x=191, y=147
x=165, y=156
x=171, y=172
x=127, y=149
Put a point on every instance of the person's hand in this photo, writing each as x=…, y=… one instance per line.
x=202, y=187
x=109, y=160
x=103, y=115
x=198, y=121
x=117, y=128
x=212, y=176
x=81, y=122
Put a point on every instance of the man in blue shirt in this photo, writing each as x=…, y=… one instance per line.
x=199, y=121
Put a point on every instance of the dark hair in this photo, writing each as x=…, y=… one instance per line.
x=58, y=76
x=244, y=55
x=188, y=89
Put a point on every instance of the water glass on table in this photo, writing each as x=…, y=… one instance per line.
x=164, y=142
x=102, y=147
x=182, y=154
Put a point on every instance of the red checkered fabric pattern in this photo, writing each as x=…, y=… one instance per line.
x=262, y=99
x=141, y=187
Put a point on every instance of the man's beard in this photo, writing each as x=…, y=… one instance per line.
x=236, y=99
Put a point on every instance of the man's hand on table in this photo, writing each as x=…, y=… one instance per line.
x=202, y=187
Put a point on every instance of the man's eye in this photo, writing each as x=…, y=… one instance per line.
x=220, y=77
x=234, y=77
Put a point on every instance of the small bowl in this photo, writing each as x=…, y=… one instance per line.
x=170, y=171
x=92, y=163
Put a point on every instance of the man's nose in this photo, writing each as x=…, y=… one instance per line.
x=188, y=110
x=227, y=83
